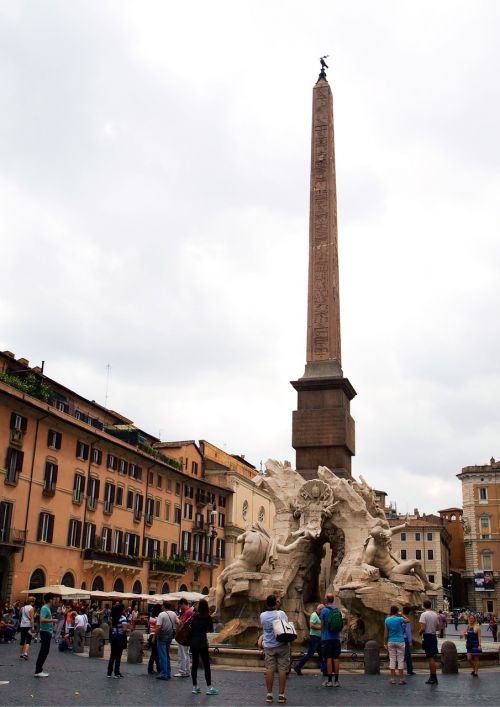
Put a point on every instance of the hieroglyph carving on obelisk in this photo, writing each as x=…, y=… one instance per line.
x=323, y=320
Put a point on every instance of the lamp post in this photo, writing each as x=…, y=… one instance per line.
x=213, y=535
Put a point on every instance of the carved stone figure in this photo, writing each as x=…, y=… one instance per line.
x=378, y=554
x=259, y=553
x=329, y=534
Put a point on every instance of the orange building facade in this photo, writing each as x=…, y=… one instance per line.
x=89, y=500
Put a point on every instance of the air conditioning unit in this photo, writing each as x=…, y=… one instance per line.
x=16, y=436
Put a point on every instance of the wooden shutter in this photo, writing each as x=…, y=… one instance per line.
x=86, y=450
x=120, y=540
x=97, y=485
x=50, y=533
x=19, y=465
x=12, y=420
x=140, y=502
x=9, y=457
x=78, y=533
x=112, y=493
x=39, y=530
x=24, y=424
x=69, y=533
x=58, y=440
x=54, y=475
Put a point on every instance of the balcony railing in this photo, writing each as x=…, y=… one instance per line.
x=202, y=557
x=49, y=488
x=167, y=566
x=201, y=499
x=112, y=557
x=108, y=507
x=12, y=536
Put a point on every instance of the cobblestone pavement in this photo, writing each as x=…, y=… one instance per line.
x=76, y=681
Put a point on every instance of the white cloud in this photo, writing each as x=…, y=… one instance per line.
x=154, y=165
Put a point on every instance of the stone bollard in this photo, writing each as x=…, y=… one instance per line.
x=449, y=658
x=372, y=658
x=79, y=639
x=97, y=644
x=105, y=631
x=135, y=648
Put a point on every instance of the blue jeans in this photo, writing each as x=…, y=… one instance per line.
x=164, y=656
x=314, y=646
x=408, y=658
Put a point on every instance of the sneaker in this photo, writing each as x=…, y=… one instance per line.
x=269, y=698
x=212, y=691
x=41, y=675
x=336, y=683
x=196, y=690
x=118, y=676
x=281, y=699
x=432, y=680
x=25, y=656
x=297, y=670
x=181, y=675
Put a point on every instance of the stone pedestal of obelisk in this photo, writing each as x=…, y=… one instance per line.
x=323, y=429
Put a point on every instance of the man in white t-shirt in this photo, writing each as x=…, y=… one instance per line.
x=276, y=654
x=81, y=620
x=429, y=624
x=164, y=633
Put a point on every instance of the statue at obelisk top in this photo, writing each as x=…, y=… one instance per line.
x=323, y=429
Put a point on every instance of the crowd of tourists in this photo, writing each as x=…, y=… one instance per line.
x=58, y=621
x=190, y=627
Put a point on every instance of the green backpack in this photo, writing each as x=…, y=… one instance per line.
x=334, y=621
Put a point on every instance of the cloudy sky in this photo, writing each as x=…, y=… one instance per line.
x=154, y=169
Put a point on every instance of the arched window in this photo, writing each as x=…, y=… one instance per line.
x=262, y=514
x=83, y=585
x=98, y=584
x=37, y=579
x=166, y=588
x=68, y=580
x=137, y=588
x=183, y=588
x=204, y=590
x=245, y=510
x=118, y=586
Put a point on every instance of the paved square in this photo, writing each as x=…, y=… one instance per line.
x=76, y=681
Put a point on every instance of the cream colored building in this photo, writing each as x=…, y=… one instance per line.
x=481, y=521
x=426, y=539
x=247, y=502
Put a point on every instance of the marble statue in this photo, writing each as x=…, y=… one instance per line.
x=378, y=554
x=259, y=553
x=329, y=534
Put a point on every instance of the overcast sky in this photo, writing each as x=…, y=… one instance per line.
x=154, y=195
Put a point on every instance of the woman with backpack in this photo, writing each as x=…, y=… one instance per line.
x=117, y=640
x=27, y=625
x=201, y=624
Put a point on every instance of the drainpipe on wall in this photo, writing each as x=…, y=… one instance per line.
x=31, y=483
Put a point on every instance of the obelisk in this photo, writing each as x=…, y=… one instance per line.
x=323, y=429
